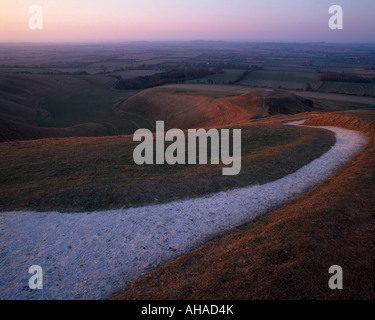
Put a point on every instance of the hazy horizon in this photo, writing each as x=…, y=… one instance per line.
x=115, y=21
x=183, y=41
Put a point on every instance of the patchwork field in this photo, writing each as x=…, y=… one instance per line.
x=290, y=68
x=228, y=75
x=362, y=89
x=283, y=79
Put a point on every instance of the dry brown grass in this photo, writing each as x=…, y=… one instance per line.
x=79, y=174
x=185, y=109
x=286, y=253
x=191, y=111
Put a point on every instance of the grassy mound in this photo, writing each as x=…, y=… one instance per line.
x=186, y=108
x=79, y=174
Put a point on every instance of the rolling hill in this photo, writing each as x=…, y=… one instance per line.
x=34, y=106
x=188, y=109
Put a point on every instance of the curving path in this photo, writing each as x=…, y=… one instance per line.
x=96, y=255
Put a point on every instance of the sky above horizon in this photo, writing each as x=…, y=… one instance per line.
x=153, y=20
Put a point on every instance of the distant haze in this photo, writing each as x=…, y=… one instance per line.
x=236, y=20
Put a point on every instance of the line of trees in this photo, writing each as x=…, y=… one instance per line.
x=343, y=77
x=237, y=66
x=245, y=74
x=173, y=76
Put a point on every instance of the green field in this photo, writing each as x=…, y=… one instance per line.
x=340, y=70
x=286, y=61
x=128, y=74
x=289, y=68
x=94, y=102
x=201, y=93
x=360, y=89
x=250, y=63
x=283, y=79
x=221, y=78
x=26, y=70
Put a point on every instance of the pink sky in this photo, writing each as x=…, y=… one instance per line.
x=120, y=20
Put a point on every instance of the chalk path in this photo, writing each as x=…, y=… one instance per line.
x=95, y=255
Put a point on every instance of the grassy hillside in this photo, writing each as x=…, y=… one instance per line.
x=78, y=174
x=92, y=103
x=187, y=108
x=19, y=94
x=286, y=253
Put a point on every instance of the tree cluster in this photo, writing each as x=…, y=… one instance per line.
x=173, y=76
x=343, y=77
